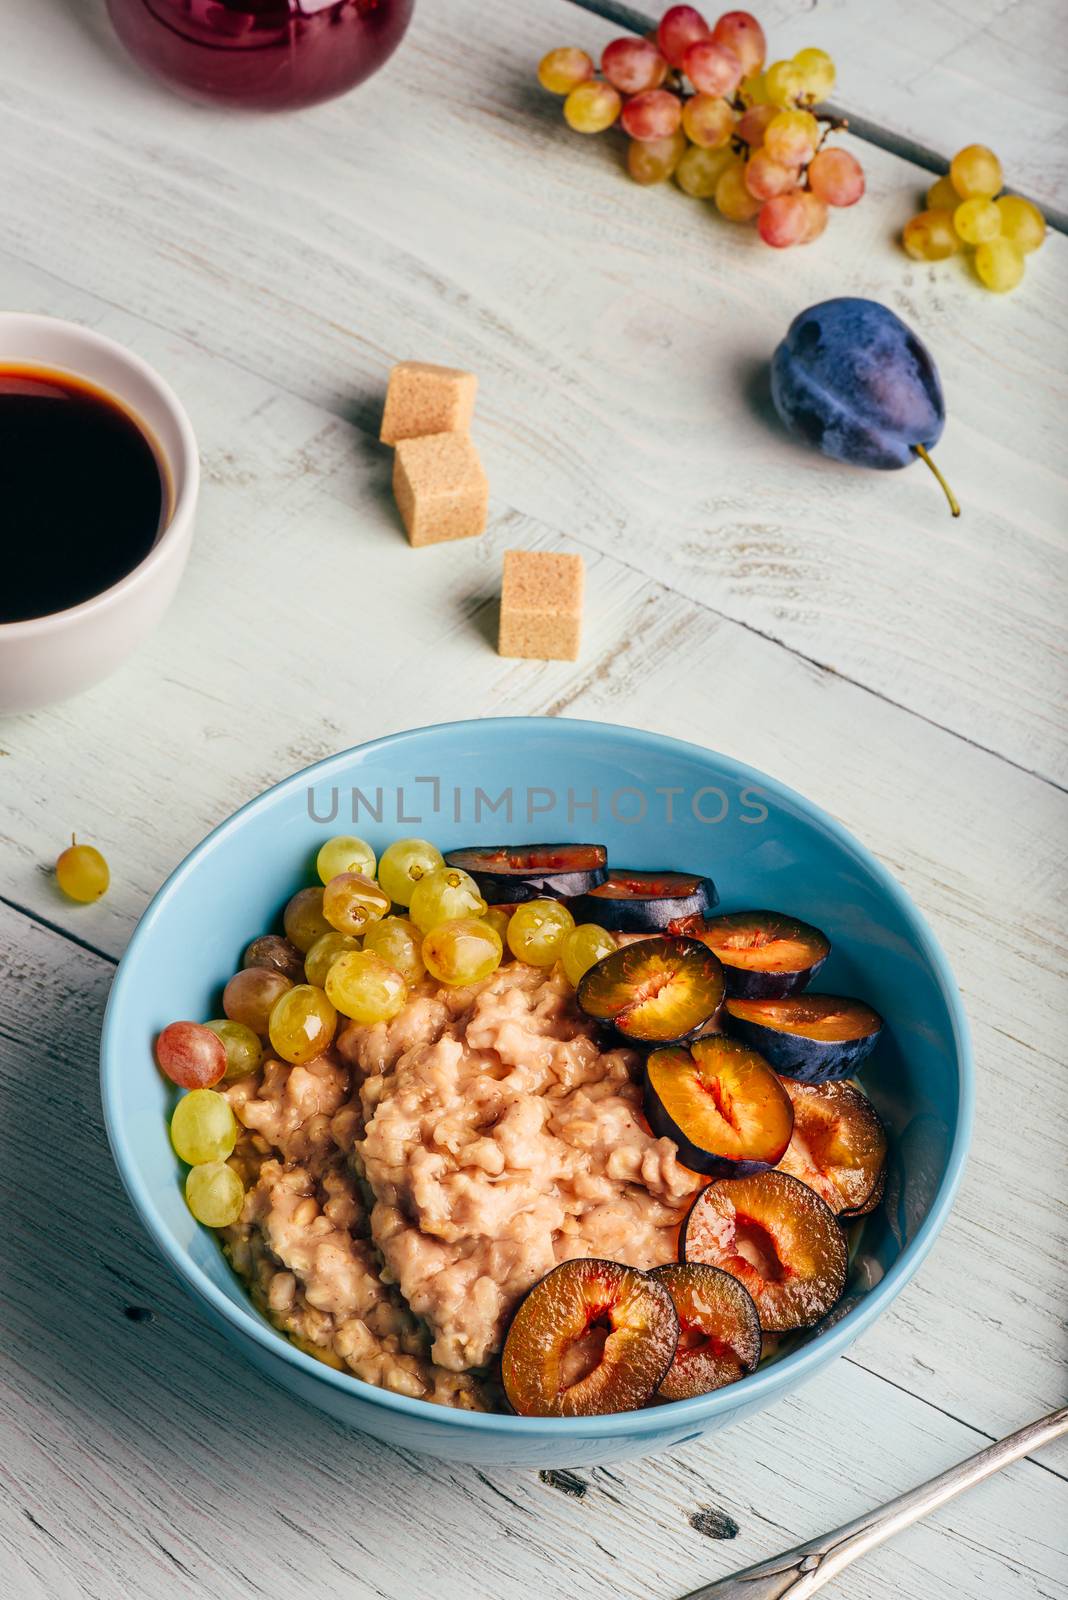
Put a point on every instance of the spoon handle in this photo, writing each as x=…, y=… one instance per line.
x=799, y=1573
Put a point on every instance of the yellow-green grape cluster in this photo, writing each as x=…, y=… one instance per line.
x=398, y=941
x=537, y=930
x=445, y=895
x=352, y=902
x=405, y=864
x=303, y=1022
x=465, y=951
x=324, y=952
x=965, y=208
x=304, y=920
x=204, y=1133
x=698, y=105
x=345, y=854
x=82, y=873
x=365, y=988
x=583, y=947
x=244, y=1051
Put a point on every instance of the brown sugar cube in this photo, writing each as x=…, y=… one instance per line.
x=423, y=399
x=440, y=488
x=541, y=605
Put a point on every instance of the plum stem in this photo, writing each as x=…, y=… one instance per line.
x=954, y=503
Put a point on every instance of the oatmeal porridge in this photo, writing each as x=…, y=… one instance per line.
x=408, y=1188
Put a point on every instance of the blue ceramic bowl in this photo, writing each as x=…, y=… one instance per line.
x=655, y=802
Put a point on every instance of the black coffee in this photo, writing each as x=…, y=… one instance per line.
x=81, y=492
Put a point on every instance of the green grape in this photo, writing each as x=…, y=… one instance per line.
x=999, y=264
x=816, y=72
x=583, y=947
x=324, y=952
x=931, y=236
x=754, y=90
x=1021, y=222
x=352, y=902
x=653, y=160
x=708, y=121
x=975, y=172
x=82, y=873
x=783, y=84
x=942, y=196
x=699, y=170
x=977, y=221
x=564, y=69
x=252, y=994
x=791, y=137
x=304, y=920
x=465, y=951
x=733, y=199
x=537, y=931
x=445, y=896
x=402, y=866
x=364, y=987
x=593, y=107
x=244, y=1052
x=399, y=942
x=303, y=1023
x=203, y=1127
x=345, y=854
x=214, y=1194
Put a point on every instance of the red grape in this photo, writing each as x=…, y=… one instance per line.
x=753, y=123
x=633, y=65
x=271, y=950
x=815, y=216
x=766, y=178
x=742, y=33
x=708, y=120
x=655, y=114
x=679, y=27
x=712, y=68
x=251, y=994
x=191, y=1055
x=836, y=177
x=783, y=219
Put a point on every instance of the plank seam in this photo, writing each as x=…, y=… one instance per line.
x=55, y=927
x=874, y=133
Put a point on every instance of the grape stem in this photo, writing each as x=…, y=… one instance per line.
x=954, y=503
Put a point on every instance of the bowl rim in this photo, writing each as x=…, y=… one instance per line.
x=180, y=471
x=761, y=1386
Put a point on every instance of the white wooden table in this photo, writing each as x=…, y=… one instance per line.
x=831, y=626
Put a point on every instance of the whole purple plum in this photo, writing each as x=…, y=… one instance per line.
x=854, y=380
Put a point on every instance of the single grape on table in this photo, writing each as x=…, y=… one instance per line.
x=693, y=87
x=82, y=873
x=965, y=208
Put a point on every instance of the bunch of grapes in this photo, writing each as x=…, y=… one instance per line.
x=962, y=209
x=698, y=105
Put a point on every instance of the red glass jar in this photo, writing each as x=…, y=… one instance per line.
x=264, y=54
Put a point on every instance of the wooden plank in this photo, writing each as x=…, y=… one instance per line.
x=941, y=76
x=621, y=402
x=210, y=714
x=145, y=1456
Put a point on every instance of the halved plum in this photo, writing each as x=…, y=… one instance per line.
x=811, y=1037
x=765, y=954
x=719, y=1330
x=591, y=1337
x=778, y=1238
x=654, y=991
x=721, y=1103
x=506, y=874
x=645, y=902
x=838, y=1146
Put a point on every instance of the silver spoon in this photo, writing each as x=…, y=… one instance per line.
x=802, y=1571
